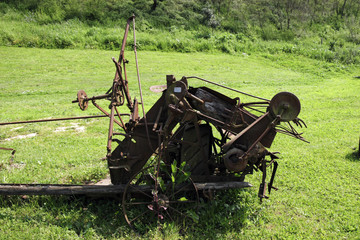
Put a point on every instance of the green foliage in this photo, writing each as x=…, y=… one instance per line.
x=184, y=26
x=50, y=11
x=231, y=15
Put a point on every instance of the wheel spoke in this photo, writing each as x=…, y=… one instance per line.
x=179, y=201
x=140, y=215
x=182, y=188
x=167, y=212
x=138, y=203
x=138, y=190
x=174, y=209
x=171, y=203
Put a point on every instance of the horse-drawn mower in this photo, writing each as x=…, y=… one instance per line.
x=192, y=141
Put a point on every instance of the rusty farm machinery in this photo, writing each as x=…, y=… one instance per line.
x=192, y=141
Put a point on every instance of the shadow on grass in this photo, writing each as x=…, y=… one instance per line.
x=228, y=213
x=103, y=218
x=353, y=156
x=87, y=217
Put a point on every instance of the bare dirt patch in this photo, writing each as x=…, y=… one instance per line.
x=73, y=126
x=21, y=136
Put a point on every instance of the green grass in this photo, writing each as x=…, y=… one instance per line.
x=23, y=30
x=318, y=183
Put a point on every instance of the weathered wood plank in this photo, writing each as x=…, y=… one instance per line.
x=33, y=189
x=53, y=189
x=222, y=185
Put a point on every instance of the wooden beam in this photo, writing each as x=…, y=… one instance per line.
x=105, y=190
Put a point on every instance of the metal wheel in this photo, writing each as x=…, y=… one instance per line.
x=152, y=197
x=285, y=104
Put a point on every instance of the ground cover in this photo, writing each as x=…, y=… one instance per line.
x=318, y=182
x=23, y=30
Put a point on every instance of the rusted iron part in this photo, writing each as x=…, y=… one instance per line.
x=273, y=177
x=262, y=188
x=131, y=149
x=232, y=89
x=123, y=61
x=86, y=99
x=120, y=118
x=120, y=90
x=286, y=105
x=160, y=203
x=116, y=94
x=139, y=84
x=9, y=149
x=54, y=119
x=109, y=115
x=111, y=130
x=290, y=132
x=13, y=151
x=176, y=109
x=134, y=150
x=82, y=99
x=120, y=87
x=269, y=127
x=233, y=160
x=260, y=128
x=264, y=185
x=254, y=132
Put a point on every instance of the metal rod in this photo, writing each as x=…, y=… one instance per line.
x=123, y=83
x=8, y=149
x=232, y=89
x=273, y=177
x=262, y=187
x=118, y=74
x=157, y=119
x=94, y=98
x=119, y=115
x=254, y=103
x=107, y=114
x=121, y=57
x=254, y=109
x=139, y=83
x=13, y=151
x=269, y=127
x=111, y=129
x=237, y=136
x=52, y=120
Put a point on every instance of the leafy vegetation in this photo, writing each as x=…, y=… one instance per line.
x=325, y=30
x=318, y=182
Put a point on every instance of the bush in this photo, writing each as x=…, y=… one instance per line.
x=111, y=42
x=50, y=11
x=287, y=35
x=269, y=32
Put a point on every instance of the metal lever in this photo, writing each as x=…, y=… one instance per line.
x=273, y=177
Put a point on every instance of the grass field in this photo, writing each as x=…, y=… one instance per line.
x=319, y=183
